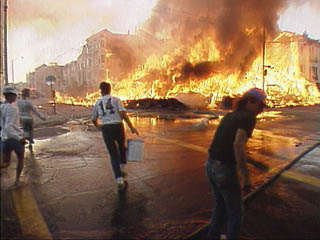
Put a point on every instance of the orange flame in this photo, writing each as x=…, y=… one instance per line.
x=160, y=77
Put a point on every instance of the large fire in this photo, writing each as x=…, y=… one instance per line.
x=179, y=71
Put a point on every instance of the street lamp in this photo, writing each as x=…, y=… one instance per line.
x=50, y=80
x=12, y=69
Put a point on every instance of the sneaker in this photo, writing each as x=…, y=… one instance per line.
x=19, y=183
x=223, y=237
x=120, y=183
x=124, y=174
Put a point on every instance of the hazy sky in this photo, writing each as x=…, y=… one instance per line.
x=44, y=31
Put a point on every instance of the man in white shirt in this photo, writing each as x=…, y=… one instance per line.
x=26, y=109
x=11, y=135
x=111, y=112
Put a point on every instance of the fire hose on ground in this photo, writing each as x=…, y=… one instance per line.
x=198, y=234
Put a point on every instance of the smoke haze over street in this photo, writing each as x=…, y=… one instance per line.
x=37, y=29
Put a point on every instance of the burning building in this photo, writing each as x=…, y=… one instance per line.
x=104, y=56
x=216, y=49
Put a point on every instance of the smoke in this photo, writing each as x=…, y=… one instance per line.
x=236, y=26
x=315, y=4
x=44, y=31
x=49, y=23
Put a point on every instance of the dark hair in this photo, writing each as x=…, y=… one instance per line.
x=240, y=103
x=105, y=87
x=7, y=95
x=25, y=91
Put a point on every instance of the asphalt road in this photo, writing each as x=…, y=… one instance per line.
x=70, y=191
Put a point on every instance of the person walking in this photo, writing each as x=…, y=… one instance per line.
x=111, y=112
x=227, y=155
x=26, y=109
x=11, y=134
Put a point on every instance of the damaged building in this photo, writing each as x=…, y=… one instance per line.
x=105, y=56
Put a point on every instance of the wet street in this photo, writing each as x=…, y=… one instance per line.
x=70, y=192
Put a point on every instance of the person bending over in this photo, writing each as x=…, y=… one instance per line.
x=227, y=155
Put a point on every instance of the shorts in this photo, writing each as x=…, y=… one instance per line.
x=10, y=145
x=27, y=125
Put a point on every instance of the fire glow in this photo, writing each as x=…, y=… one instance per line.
x=215, y=48
x=179, y=71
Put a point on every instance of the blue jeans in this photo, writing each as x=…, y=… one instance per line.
x=228, y=204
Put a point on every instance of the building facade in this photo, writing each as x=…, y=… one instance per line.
x=299, y=56
x=105, y=57
x=111, y=57
x=37, y=79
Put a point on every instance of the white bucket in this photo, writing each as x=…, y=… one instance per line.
x=135, y=149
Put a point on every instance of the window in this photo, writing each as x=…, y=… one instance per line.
x=314, y=72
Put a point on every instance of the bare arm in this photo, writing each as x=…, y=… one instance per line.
x=35, y=111
x=239, y=146
x=125, y=117
x=95, y=122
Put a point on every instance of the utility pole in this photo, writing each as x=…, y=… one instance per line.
x=1, y=45
x=263, y=56
x=1, y=72
x=12, y=71
x=5, y=48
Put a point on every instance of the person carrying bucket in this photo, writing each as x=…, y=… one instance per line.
x=111, y=112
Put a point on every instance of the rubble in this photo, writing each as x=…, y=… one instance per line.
x=156, y=104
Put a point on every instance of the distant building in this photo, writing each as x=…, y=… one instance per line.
x=37, y=79
x=296, y=55
x=109, y=56
x=105, y=56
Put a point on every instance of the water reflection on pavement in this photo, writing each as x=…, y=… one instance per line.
x=168, y=195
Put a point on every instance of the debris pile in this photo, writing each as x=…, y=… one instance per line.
x=156, y=104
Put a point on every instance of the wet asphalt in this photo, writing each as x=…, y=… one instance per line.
x=168, y=196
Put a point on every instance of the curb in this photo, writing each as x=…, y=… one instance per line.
x=200, y=233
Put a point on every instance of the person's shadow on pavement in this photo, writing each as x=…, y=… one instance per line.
x=128, y=216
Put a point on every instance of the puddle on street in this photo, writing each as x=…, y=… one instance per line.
x=48, y=132
x=266, y=150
